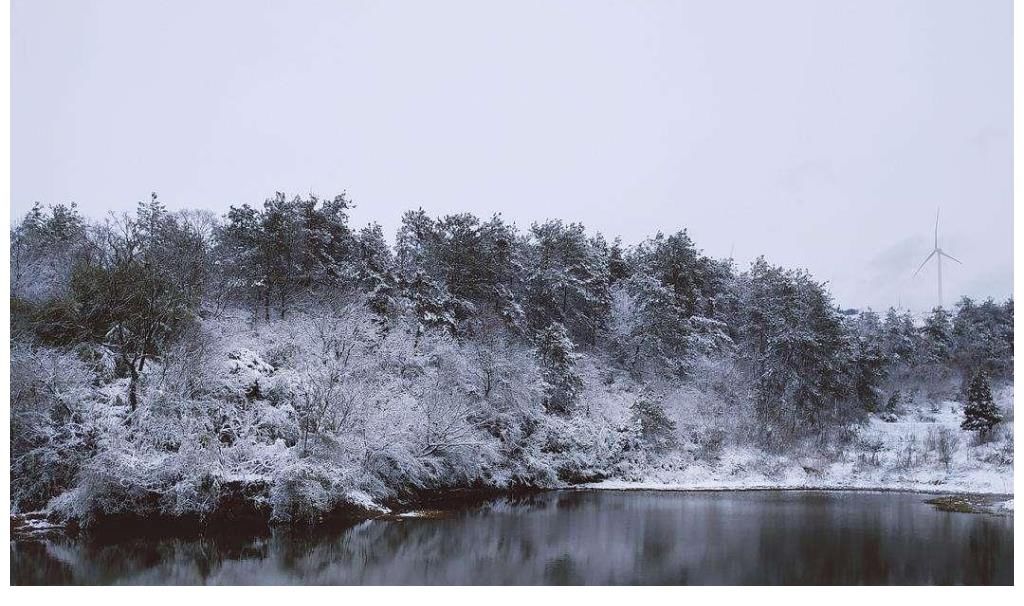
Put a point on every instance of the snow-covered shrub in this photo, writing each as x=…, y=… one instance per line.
x=908, y=454
x=709, y=442
x=996, y=449
x=656, y=430
x=588, y=449
x=57, y=424
x=305, y=490
x=943, y=442
x=872, y=446
x=117, y=481
x=243, y=371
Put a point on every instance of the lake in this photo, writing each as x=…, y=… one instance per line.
x=575, y=537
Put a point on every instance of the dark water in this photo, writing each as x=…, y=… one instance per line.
x=584, y=537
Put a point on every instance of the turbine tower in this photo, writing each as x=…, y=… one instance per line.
x=938, y=254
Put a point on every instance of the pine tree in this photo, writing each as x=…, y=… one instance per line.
x=938, y=336
x=869, y=363
x=797, y=346
x=618, y=270
x=567, y=280
x=900, y=339
x=375, y=269
x=562, y=381
x=981, y=413
x=982, y=337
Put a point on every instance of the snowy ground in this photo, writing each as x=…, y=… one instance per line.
x=924, y=450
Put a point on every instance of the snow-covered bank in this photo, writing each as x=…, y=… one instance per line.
x=923, y=450
x=922, y=488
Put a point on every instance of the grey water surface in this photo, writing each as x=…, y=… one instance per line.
x=575, y=537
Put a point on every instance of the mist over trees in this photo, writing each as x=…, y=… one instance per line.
x=180, y=363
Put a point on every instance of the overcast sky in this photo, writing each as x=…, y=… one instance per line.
x=822, y=134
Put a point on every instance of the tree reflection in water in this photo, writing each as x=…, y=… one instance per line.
x=576, y=537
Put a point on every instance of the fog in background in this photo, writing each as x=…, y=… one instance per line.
x=823, y=135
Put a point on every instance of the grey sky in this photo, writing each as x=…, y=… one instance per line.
x=822, y=134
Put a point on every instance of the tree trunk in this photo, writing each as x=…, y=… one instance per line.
x=133, y=386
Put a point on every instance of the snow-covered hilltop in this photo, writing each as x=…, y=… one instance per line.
x=277, y=365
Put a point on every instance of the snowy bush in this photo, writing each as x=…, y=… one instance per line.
x=57, y=423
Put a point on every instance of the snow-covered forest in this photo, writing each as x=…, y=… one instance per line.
x=278, y=362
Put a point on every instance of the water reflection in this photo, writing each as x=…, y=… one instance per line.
x=577, y=538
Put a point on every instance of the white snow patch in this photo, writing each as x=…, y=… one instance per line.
x=901, y=455
x=361, y=499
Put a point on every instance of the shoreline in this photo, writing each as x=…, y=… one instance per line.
x=644, y=487
x=36, y=525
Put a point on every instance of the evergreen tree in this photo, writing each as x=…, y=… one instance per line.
x=659, y=332
x=796, y=347
x=505, y=272
x=433, y=305
x=982, y=337
x=980, y=413
x=375, y=270
x=868, y=366
x=567, y=280
x=618, y=269
x=693, y=279
x=900, y=340
x=938, y=336
x=675, y=295
x=286, y=250
x=239, y=258
x=562, y=381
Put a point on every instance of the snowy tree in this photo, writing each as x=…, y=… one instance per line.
x=44, y=247
x=694, y=280
x=287, y=250
x=54, y=425
x=937, y=333
x=433, y=305
x=137, y=290
x=980, y=413
x=900, y=340
x=567, y=280
x=982, y=337
x=869, y=364
x=376, y=270
x=327, y=243
x=660, y=333
x=675, y=294
x=177, y=247
x=656, y=429
x=240, y=259
x=618, y=267
x=796, y=347
x=562, y=381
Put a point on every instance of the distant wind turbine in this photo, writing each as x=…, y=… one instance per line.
x=938, y=254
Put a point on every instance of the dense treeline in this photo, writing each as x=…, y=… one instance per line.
x=170, y=362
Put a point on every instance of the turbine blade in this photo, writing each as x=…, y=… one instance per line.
x=951, y=257
x=936, y=228
x=923, y=263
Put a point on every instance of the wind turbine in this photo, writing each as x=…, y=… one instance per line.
x=938, y=254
